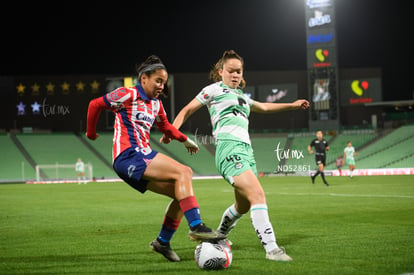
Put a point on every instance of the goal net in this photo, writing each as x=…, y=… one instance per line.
x=62, y=172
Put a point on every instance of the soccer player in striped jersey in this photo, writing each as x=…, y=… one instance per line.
x=229, y=110
x=136, y=110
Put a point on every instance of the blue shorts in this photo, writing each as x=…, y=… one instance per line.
x=130, y=165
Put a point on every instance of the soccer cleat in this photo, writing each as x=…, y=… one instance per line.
x=313, y=180
x=165, y=250
x=326, y=184
x=225, y=242
x=204, y=233
x=278, y=254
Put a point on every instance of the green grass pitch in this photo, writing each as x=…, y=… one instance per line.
x=363, y=225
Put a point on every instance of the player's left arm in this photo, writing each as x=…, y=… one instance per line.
x=270, y=107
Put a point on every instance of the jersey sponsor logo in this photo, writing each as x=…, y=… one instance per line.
x=145, y=117
x=204, y=95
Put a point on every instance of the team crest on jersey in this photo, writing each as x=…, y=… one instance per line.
x=238, y=165
x=226, y=91
x=118, y=94
x=131, y=170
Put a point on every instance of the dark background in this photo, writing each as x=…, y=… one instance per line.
x=92, y=40
x=89, y=37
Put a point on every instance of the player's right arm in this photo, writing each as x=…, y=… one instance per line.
x=193, y=106
x=310, y=147
x=95, y=107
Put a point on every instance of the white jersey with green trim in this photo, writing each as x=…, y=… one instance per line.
x=349, y=152
x=229, y=111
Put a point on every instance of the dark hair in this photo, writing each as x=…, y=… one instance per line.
x=229, y=54
x=149, y=66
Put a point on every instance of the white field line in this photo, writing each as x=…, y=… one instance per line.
x=348, y=195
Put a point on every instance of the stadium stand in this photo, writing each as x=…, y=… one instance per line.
x=382, y=149
x=359, y=139
x=202, y=163
x=301, y=143
x=63, y=148
x=264, y=147
x=407, y=161
x=13, y=165
x=395, y=147
x=102, y=145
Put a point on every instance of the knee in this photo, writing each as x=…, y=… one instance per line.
x=186, y=173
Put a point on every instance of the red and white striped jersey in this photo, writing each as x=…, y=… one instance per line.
x=135, y=114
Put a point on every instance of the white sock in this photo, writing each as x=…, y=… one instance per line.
x=261, y=223
x=229, y=220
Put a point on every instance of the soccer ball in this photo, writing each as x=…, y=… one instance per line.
x=213, y=256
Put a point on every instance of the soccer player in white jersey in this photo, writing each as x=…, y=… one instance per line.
x=136, y=110
x=80, y=170
x=349, y=153
x=229, y=110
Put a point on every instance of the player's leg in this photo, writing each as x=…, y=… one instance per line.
x=322, y=172
x=250, y=195
x=351, y=168
x=233, y=213
x=161, y=172
x=233, y=158
x=318, y=162
x=229, y=219
x=172, y=219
